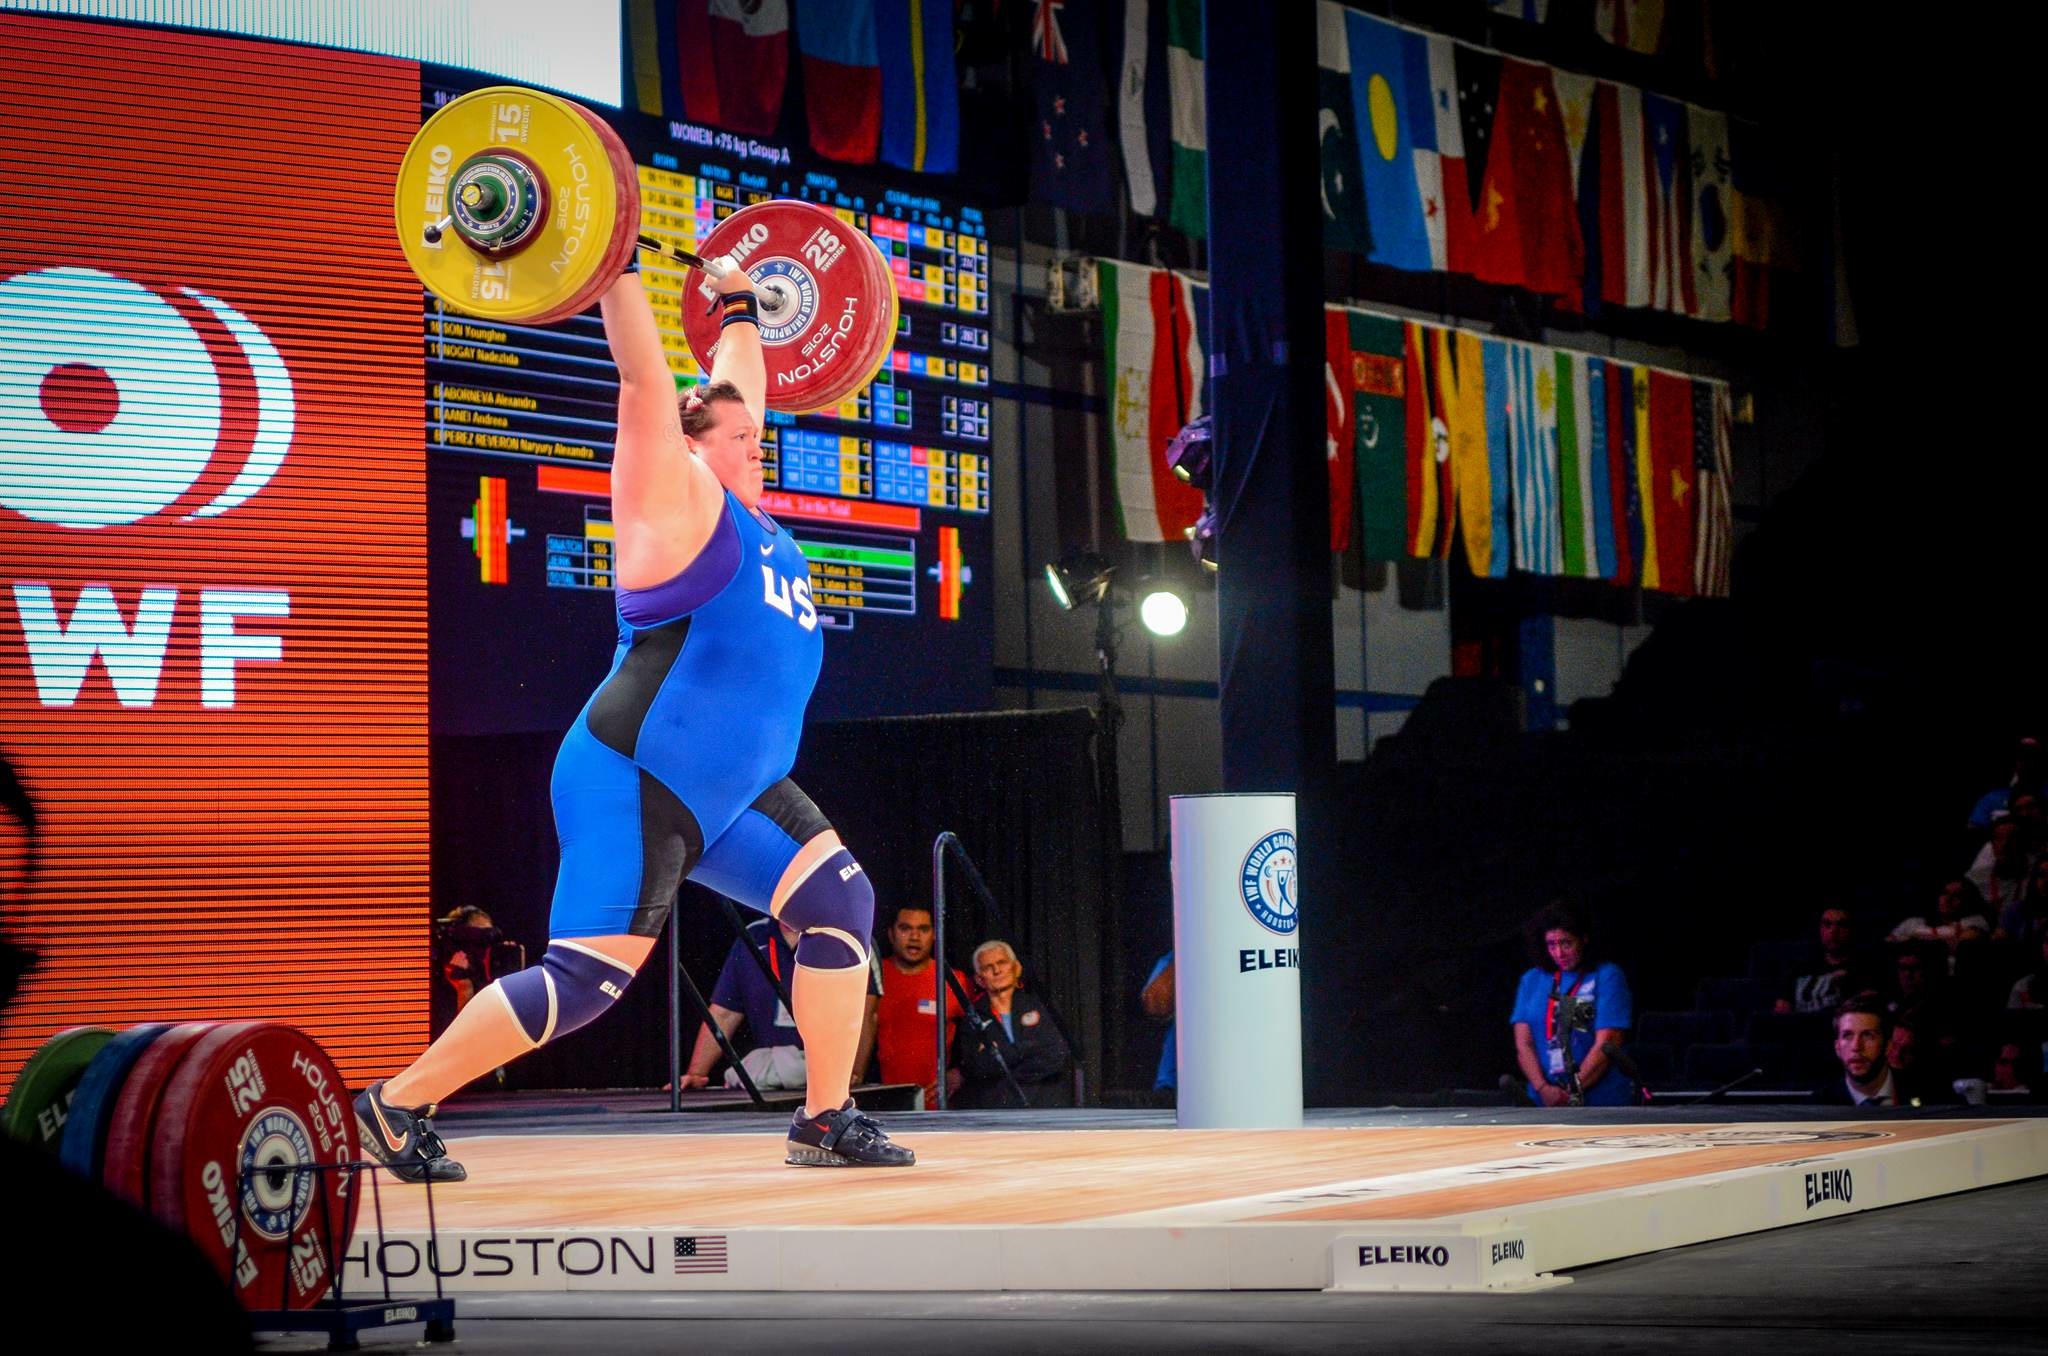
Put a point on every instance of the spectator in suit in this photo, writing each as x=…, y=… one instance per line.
x=1863, y=1029
x=1011, y=1020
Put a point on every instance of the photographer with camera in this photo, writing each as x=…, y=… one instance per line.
x=1568, y=1011
x=470, y=951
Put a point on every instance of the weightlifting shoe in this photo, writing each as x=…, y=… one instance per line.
x=404, y=1141
x=842, y=1139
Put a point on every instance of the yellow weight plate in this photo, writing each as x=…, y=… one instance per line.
x=586, y=203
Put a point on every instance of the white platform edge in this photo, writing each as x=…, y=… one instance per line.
x=1559, y=1234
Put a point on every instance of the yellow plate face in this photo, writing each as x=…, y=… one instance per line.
x=582, y=211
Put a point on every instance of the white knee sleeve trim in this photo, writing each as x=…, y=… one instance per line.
x=851, y=942
x=613, y=961
x=548, y=981
x=513, y=1013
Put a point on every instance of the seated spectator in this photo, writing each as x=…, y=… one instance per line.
x=1570, y=1066
x=1863, y=1029
x=2032, y=990
x=907, y=1022
x=1958, y=918
x=1919, y=1068
x=1157, y=1000
x=1835, y=971
x=1920, y=993
x=2012, y=1071
x=1009, y=1020
x=2000, y=872
x=2028, y=771
x=744, y=994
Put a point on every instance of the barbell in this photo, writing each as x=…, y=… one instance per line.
x=519, y=206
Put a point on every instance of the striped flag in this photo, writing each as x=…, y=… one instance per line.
x=1625, y=502
x=1667, y=177
x=920, y=93
x=1576, y=459
x=1154, y=326
x=1432, y=499
x=1713, y=417
x=1532, y=443
x=1385, y=386
x=1188, y=211
x=1479, y=450
x=700, y=1254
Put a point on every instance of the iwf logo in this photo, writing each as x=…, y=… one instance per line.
x=111, y=411
x=1267, y=882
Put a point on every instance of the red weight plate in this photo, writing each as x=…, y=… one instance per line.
x=840, y=316
x=251, y=1102
x=625, y=224
x=125, y=1168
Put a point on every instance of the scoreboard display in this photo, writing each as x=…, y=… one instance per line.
x=887, y=492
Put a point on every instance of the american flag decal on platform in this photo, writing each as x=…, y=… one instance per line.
x=701, y=1254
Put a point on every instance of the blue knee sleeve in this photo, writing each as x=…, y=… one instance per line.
x=570, y=987
x=834, y=908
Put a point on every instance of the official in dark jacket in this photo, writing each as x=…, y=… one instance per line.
x=1013, y=1022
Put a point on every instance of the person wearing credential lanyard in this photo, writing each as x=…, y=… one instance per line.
x=1565, y=1061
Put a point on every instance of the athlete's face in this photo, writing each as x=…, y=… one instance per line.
x=731, y=447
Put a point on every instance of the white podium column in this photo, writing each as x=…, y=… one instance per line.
x=1237, y=957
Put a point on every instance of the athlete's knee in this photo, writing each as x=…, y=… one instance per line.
x=571, y=987
x=833, y=908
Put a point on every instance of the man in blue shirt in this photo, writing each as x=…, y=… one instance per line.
x=1564, y=1060
x=744, y=994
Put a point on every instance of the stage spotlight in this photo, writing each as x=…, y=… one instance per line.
x=1081, y=578
x=1163, y=612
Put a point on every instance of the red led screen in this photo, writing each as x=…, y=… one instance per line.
x=213, y=603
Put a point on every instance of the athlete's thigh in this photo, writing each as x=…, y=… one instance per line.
x=627, y=842
x=772, y=839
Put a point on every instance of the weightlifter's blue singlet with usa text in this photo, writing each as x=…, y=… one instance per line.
x=699, y=716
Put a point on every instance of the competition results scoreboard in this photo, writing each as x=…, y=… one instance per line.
x=871, y=489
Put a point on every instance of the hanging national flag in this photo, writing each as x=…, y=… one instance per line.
x=1529, y=160
x=842, y=77
x=1385, y=385
x=1493, y=250
x=1070, y=165
x=1585, y=522
x=1396, y=122
x=1189, y=119
x=1532, y=443
x=1635, y=24
x=1669, y=492
x=1432, y=501
x=1625, y=503
x=1479, y=451
x=1582, y=152
x=1668, y=177
x=1624, y=195
x=1759, y=185
x=1339, y=414
x=1451, y=239
x=920, y=93
x=1713, y=255
x=1142, y=107
x=1713, y=418
x=732, y=60
x=1153, y=333
x=1344, y=224
x=1528, y=11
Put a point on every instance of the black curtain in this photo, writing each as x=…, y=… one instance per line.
x=1018, y=788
